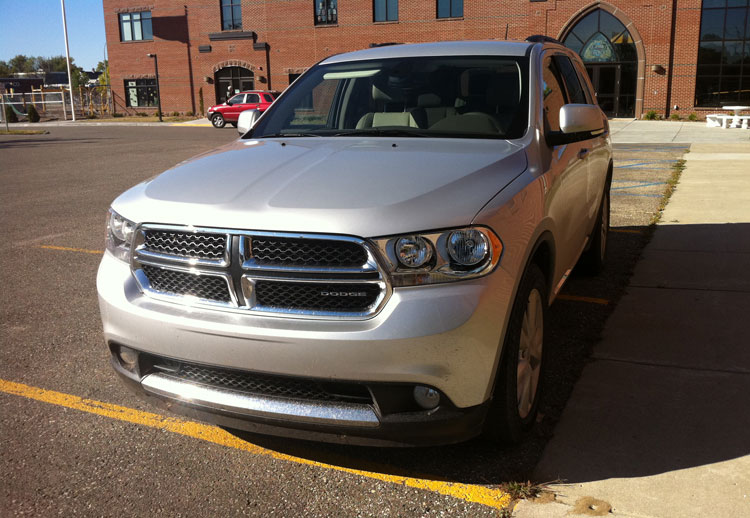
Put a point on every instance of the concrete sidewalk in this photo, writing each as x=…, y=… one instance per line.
x=631, y=131
x=659, y=423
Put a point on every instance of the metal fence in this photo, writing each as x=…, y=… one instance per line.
x=56, y=104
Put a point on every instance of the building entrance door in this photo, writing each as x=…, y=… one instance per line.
x=606, y=81
x=232, y=80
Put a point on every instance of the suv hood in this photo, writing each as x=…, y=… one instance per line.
x=344, y=185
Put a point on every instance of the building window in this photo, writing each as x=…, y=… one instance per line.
x=326, y=12
x=385, y=10
x=136, y=26
x=450, y=8
x=140, y=93
x=231, y=15
x=723, y=74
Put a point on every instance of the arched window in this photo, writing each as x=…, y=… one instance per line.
x=609, y=53
x=599, y=37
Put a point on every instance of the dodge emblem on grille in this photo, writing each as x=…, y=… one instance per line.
x=343, y=294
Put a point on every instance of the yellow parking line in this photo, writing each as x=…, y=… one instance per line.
x=625, y=231
x=68, y=249
x=488, y=496
x=578, y=298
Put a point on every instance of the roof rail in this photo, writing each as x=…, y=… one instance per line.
x=540, y=38
x=387, y=44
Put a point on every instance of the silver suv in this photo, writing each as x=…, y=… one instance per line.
x=372, y=261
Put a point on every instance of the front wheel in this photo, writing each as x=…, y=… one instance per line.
x=517, y=389
x=218, y=121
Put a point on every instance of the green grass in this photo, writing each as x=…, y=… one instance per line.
x=672, y=182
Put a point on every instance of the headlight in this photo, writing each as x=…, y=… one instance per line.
x=435, y=257
x=119, y=235
x=413, y=251
x=467, y=247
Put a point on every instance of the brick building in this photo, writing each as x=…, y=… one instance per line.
x=641, y=54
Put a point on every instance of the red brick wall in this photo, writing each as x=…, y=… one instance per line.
x=296, y=43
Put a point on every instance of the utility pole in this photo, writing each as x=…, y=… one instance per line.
x=67, y=58
x=158, y=93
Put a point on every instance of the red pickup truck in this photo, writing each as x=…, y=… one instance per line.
x=230, y=111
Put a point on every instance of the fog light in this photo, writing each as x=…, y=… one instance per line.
x=426, y=397
x=128, y=357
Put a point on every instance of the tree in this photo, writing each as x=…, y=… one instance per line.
x=78, y=77
x=4, y=69
x=21, y=63
x=53, y=64
x=103, y=67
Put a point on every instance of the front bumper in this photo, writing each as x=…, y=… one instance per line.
x=446, y=336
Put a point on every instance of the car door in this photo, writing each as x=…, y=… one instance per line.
x=252, y=102
x=594, y=149
x=567, y=171
x=234, y=107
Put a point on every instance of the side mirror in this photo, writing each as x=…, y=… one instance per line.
x=247, y=120
x=228, y=102
x=577, y=122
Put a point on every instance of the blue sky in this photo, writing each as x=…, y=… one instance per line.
x=34, y=28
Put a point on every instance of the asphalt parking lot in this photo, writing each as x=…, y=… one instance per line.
x=76, y=442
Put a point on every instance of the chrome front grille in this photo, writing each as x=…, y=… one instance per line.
x=269, y=251
x=189, y=245
x=309, y=275
x=172, y=282
x=345, y=297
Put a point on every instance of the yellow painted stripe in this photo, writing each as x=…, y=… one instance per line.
x=625, y=231
x=577, y=298
x=468, y=492
x=68, y=249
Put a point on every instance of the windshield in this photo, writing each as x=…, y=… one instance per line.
x=454, y=96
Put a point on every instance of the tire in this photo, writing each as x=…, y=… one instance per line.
x=594, y=257
x=515, y=402
x=218, y=121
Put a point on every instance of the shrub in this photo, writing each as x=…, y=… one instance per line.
x=651, y=115
x=175, y=114
x=189, y=114
x=32, y=114
x=116, y=115
x=201, y=107
x=141, y=114
x=10, y=115
x=675, y=117
x=692, y=117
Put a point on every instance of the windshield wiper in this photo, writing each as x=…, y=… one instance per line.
x=290, y=135
x=382, y=132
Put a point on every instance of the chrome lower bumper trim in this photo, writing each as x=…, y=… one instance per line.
x=317, y=412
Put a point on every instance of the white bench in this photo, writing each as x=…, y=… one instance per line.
x=720, y=120
x=745, y=119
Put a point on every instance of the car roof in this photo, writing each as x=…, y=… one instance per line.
x=256, y=92
x=443, y=48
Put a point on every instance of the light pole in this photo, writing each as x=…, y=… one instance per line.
x=67, y=59
x=158, y=93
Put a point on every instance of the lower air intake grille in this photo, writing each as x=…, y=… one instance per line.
x=278, y=386
x=317, y=296
x=208, y=287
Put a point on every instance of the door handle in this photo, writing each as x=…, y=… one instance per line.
x=583, y=152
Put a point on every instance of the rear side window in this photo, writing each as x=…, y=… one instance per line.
x=253, y=98
x=553, y=96
x=268, y=98
x=576, y=93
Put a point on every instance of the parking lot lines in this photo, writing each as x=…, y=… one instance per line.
x=68, y=249
x=492, y=497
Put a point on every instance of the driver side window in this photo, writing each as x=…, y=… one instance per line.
x=237, y=99
x=553, y=96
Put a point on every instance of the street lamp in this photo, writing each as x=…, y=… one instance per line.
x=158, y=93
